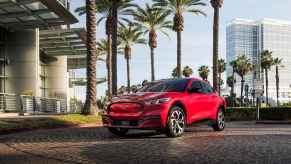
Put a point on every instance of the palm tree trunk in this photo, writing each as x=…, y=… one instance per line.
x=219, y=84
x=277, y=85
x=179, y=53
x=241, y=91
x=232, y=89
x=109, y=66
x=267, y=86
x=152, y=64
x=90, y=106
x=128, y=74
x=114, y=46
x=215, y=47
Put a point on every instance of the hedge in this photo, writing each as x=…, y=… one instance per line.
x=250, y=113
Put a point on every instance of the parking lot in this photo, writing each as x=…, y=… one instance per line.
x=241, y=142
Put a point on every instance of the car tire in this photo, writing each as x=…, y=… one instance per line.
x=121, y=132
x=176, y=122
x=219, y=123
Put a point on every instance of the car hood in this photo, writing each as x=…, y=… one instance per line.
x=140, y=96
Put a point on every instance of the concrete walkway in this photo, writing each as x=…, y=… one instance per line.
x=26, y=115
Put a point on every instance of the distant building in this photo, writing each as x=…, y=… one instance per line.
x=250, y=37
x=37, y=50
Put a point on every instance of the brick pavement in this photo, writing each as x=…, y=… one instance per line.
x=241, y=142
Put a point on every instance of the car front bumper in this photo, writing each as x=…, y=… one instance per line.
x=150, y=117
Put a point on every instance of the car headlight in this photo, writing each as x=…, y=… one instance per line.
x=157, y=101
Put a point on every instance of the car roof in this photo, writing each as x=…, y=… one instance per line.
x=192, y=78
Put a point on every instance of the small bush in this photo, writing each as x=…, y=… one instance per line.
x=266, y=113
x=241, y=114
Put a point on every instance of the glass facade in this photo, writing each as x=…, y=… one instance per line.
x=252, y=37
x=277, y=38
x=242, y=39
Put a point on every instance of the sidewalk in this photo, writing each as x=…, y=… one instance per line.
x=26, y=115
x=10, y=115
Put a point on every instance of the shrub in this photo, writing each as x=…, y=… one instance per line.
x=241, y=114
x=266, y=113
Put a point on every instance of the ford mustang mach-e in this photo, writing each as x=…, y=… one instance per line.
x=167, y=105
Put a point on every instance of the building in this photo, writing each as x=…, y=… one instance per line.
x=250, y=37
x=37, y=50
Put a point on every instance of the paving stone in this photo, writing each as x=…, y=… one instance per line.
x=241, y=142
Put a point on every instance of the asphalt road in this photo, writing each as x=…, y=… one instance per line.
x=241, y=142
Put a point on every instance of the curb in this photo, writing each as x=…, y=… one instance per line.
x=273, y=122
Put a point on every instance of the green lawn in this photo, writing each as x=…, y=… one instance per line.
x=19, y=124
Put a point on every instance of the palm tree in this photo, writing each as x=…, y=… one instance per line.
x=230, y=82
x=105, y=8
x=178, y=8
x=266, y=64
x=115, y=4
x=187, y=71
x=221, y=69
x=90, y=106
x=121, y=90
x=102, y=47
x=204, y=72
x=150, y=20
x=234, y=67
x=277, y=62
x=242, y=67
x=129, y=36
x=175, y=73
x=216, y=4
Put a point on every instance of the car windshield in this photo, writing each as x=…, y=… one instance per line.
x=167, y=86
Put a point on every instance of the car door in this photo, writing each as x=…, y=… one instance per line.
x=210, y=101
x=196, y=101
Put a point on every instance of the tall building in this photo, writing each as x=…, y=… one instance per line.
x=250, y=37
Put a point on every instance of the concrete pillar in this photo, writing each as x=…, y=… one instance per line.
x=22, y=50
x=57, y=78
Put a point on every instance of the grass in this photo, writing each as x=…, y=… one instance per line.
x=80, y=119
x=21, y=124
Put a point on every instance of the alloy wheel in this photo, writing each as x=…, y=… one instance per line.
x=221, y=119
x=177, y=121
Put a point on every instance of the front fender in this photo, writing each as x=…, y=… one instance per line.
x=219, y=103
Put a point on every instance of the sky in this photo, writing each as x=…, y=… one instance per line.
x=196, y=40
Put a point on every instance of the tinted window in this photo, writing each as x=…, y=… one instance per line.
x=207, y=88
x=167, y=86
x=147, y=86
x=196, y=85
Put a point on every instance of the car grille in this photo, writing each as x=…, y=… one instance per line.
x=125, y=123
x=126, y=108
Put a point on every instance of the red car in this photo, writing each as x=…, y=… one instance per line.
x=167, y=105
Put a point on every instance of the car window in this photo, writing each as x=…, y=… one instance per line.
x=167, y=86
x=207, y=88
x=197, y=86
